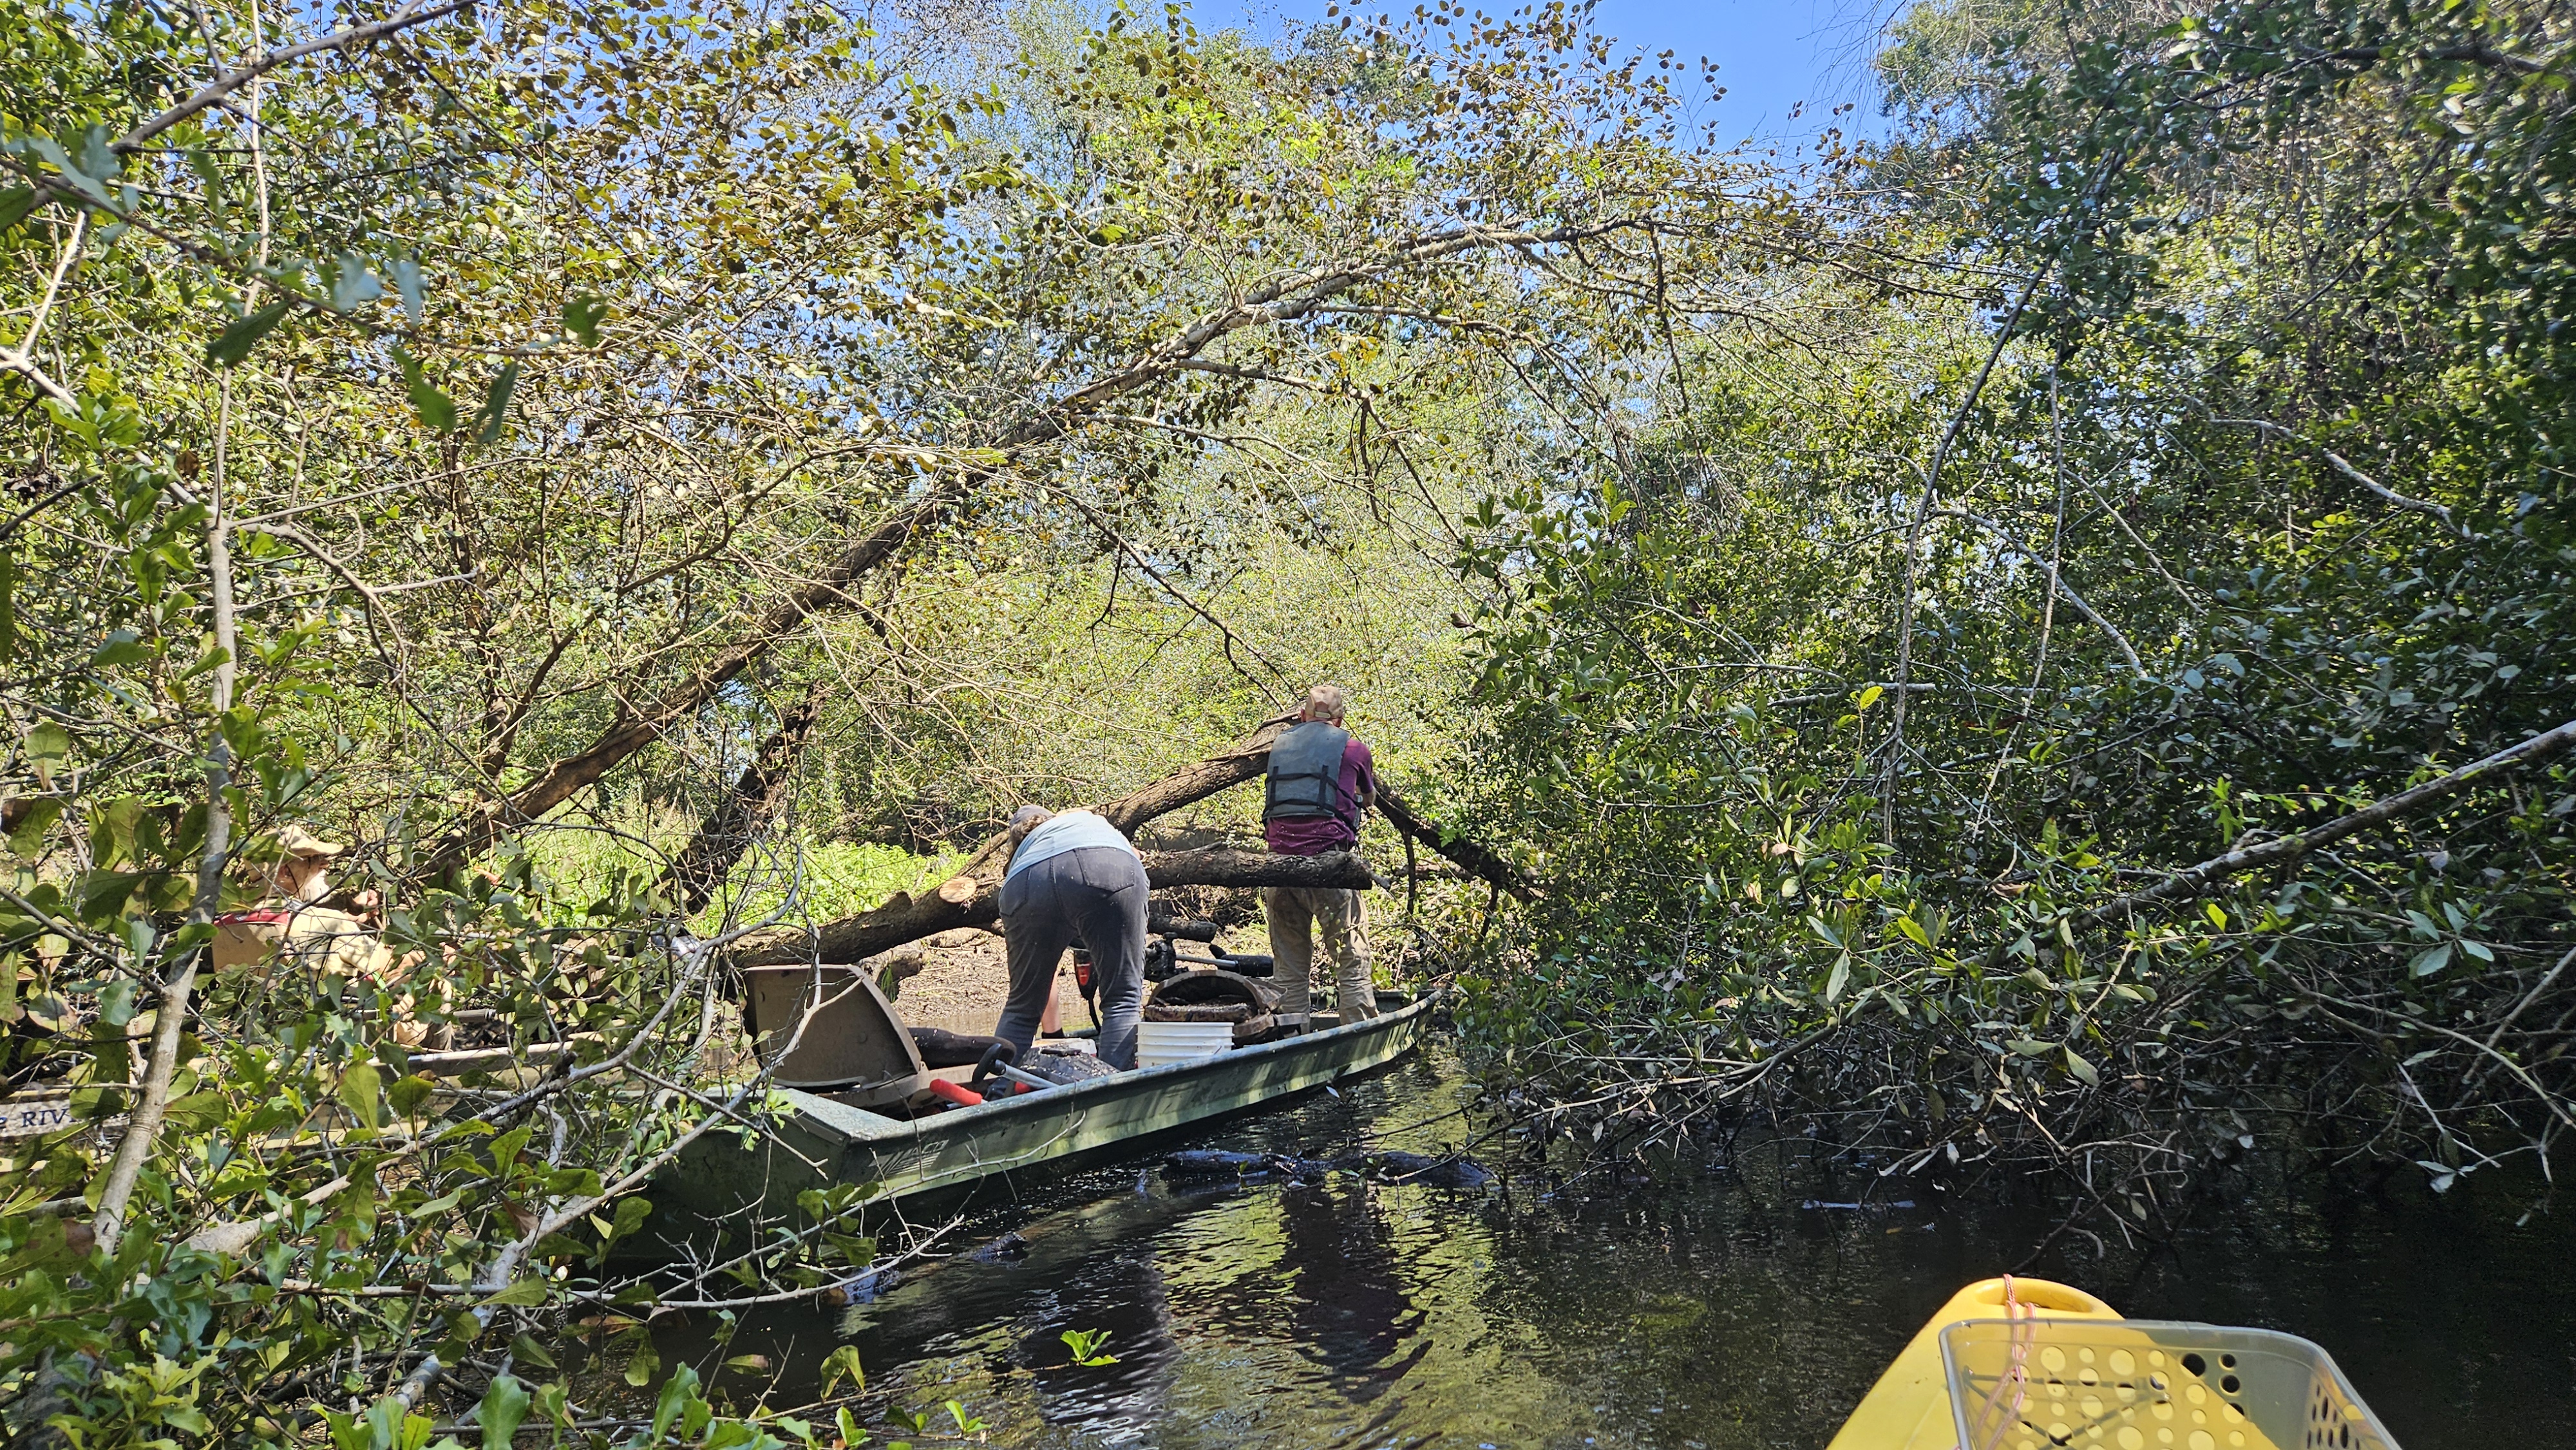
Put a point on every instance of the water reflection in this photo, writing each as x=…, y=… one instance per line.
x=1697, y=1309
x=1347, y=1312
x=1119, y=1402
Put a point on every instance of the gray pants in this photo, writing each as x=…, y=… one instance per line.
x=1097, y=896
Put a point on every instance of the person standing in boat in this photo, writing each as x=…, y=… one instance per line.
x=1320, y=779
x=1074, y=877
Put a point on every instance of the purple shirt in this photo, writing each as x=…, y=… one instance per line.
x=1315, y=835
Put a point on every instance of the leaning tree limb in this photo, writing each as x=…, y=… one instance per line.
x=907, y=919
x=700, y=869
x=1284, y=299
x=910, y=918
x=1470, y=856
x=1237, y=763
x=2192, y=881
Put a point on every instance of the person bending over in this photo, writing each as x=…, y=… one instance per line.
x=1074, y=877
x=1320, y=779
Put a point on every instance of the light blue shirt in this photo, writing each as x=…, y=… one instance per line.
x=1070, y=831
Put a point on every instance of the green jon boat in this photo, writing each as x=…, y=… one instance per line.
x=863, y=1114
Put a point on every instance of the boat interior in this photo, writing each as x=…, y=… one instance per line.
x=831, y=1030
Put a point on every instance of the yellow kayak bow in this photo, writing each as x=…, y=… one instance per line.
x=2026, y=1364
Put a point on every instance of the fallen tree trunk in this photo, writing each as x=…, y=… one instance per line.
x=1244, y=760
x=910, y=918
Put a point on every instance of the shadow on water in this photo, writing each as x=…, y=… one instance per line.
x=1694, y=1307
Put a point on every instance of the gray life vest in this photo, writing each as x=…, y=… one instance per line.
x=1305, y=777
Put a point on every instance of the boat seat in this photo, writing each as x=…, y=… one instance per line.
x=940, y=1047
x=854, y=1048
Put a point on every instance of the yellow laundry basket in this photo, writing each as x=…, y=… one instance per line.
x=2025, y=1364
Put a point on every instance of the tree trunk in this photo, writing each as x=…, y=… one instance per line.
x=908, y=918
x=700, y=870
x=565, y=778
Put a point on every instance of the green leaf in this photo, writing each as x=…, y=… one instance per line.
x=49, y=745
x=631, y=1213
x=2217, y=918
x=582, y=317
x=210, y=174
x=504, y=1405
x=239, y=336
x=434, y=407
x=30, y=834
x=1913, y=931
x=15, y=204
x=362, y=1090
x=123, y=647
x=843, y=1363
x=2082, y=1069
x=408, y=1093
x=521, y=1295
x=1840, y=979
x=441, y=1204
x=352, y=285
x=200, y=1111
x=675, y=1396
x=1867, y=698
x=496, y=404
x=406, y=279
x=527, y=1351
x=2430, y=960
x=640, y=1369
x=52, y=151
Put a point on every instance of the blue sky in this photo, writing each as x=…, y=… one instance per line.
x=1770, y=56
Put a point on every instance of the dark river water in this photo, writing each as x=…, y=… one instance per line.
x=1701, y=1306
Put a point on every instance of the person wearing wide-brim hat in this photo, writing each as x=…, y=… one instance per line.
x=289, y=923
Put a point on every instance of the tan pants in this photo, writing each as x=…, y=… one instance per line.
x=1294, y=913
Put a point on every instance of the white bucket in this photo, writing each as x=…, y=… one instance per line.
x=1158, y=1043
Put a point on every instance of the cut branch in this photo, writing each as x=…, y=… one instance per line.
x=966, y=899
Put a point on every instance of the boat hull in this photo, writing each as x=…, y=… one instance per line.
x=821, y=1142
